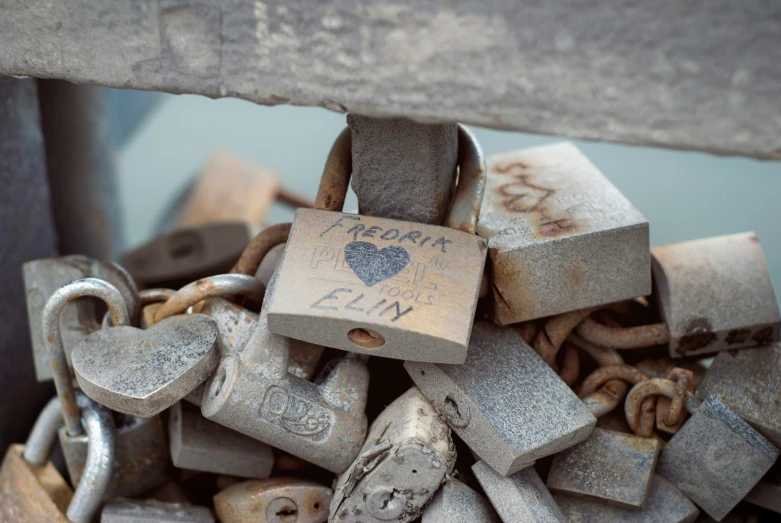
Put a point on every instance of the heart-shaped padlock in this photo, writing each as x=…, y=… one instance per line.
x=143, y=372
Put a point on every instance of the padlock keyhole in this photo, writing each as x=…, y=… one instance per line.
x=366, y=338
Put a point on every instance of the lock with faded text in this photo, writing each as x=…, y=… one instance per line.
x=378, y=286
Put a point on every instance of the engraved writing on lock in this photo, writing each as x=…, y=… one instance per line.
x=296, y=414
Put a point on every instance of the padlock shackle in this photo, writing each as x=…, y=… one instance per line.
x=649, y=388
x=259, y=246
x=44, y=433
x=604, y=374
x=602, y=355
x=99, y=467
x=52, y=335
x=465, y=210
x=549, y=339
x=624, y=337
x=220, y=285
x=336, y=174
x=606, y=398
x=156, y=295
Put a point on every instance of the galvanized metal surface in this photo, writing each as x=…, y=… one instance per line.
x=179, y=257
x=141, y=458
x=519, y=497
x=199, y=444
x=408, y=453
x=749, y=382
x=39, y=443
x=31, y=492
x=646, y=72
x=608, y=467
x=151, y=511
x=455, y=502
x=143, y=372
x=276, y=500
x=381, y=287
x=82, y=168
x=402, y=169
x=715, y=294
x=42, y=277
x=716, y=458
x=504, y=401
x=666, y=504
x=253, y=393
x=560, y=235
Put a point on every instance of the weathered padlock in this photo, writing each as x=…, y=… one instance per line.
x=252, y=392
x=505, y=402
x=408, y=453
x=151, y=511
x=43, y=277
x=31, y=489
x=666, y=504
x=455, y=502
x=561, y=237
x=715, y=294
x=179, y=257
x=378, y=286
x=200, y=444
x=607, y=467
x=275, y=500
x=133, y=371
x=715, y=458
x=519, y=497
x=749, y=382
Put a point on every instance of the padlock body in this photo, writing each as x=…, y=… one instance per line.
x=560, y=236
x=455, y=502
x=715, y=294
x=377, y=286
x=199, y=444
x=151, y=511
x=666, y=504
x=31, y=493
x=609, y=467
x=261, y=500
x=141, y=455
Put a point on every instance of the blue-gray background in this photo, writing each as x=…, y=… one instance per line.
x=165, y=139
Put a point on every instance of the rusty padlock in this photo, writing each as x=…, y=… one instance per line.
x=505, y=402
x=44, y=276
x=712, y=294
x=275, y=500
x=561, y=237
x=378, y=286
x=408, y=453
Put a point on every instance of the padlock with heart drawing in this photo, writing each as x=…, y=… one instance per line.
x=379, y=286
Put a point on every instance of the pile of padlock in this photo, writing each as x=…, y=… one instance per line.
x=352, y=368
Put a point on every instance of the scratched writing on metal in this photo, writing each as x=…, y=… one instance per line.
x=377, y=308
x=294, y=413
x=360, y=230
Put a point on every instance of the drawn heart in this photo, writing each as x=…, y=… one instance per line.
x=143, y=372
x=373, y=265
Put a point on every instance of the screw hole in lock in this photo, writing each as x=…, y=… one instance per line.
x=414, y=471
x=317, y=506
x=366, y=338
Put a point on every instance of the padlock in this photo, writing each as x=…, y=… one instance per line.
x=408, y=453
x=133, y=371
x=608, y=467
x=519, y=497
x=179, y=257
x=252, y=392
x=275, y=500
x=748, y=382
x=43, y=277
x=666, y=504
x=712, y=294
x=715, y=458
x=767, y=493
x=561, y=237
x=151, y=511
x=379, y=286
x=199, y=444
x=455, y=502
x=505, y=402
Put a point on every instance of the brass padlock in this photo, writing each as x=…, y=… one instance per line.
x=43, y=277
x=561, y=237
x=455, y=502
x=378, y=286
x=521, y=496
x=408, y=453
x=666, y=504
x=505, y=402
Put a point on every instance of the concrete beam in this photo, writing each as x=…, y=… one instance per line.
x=701, y=75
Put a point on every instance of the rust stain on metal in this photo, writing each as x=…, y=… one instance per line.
x=549, y=340
x=737, y=336
x=336, y=174
x=604, y=374
x=259, y=247
x=624, y=337
x=699, y=334
x=763, y=336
